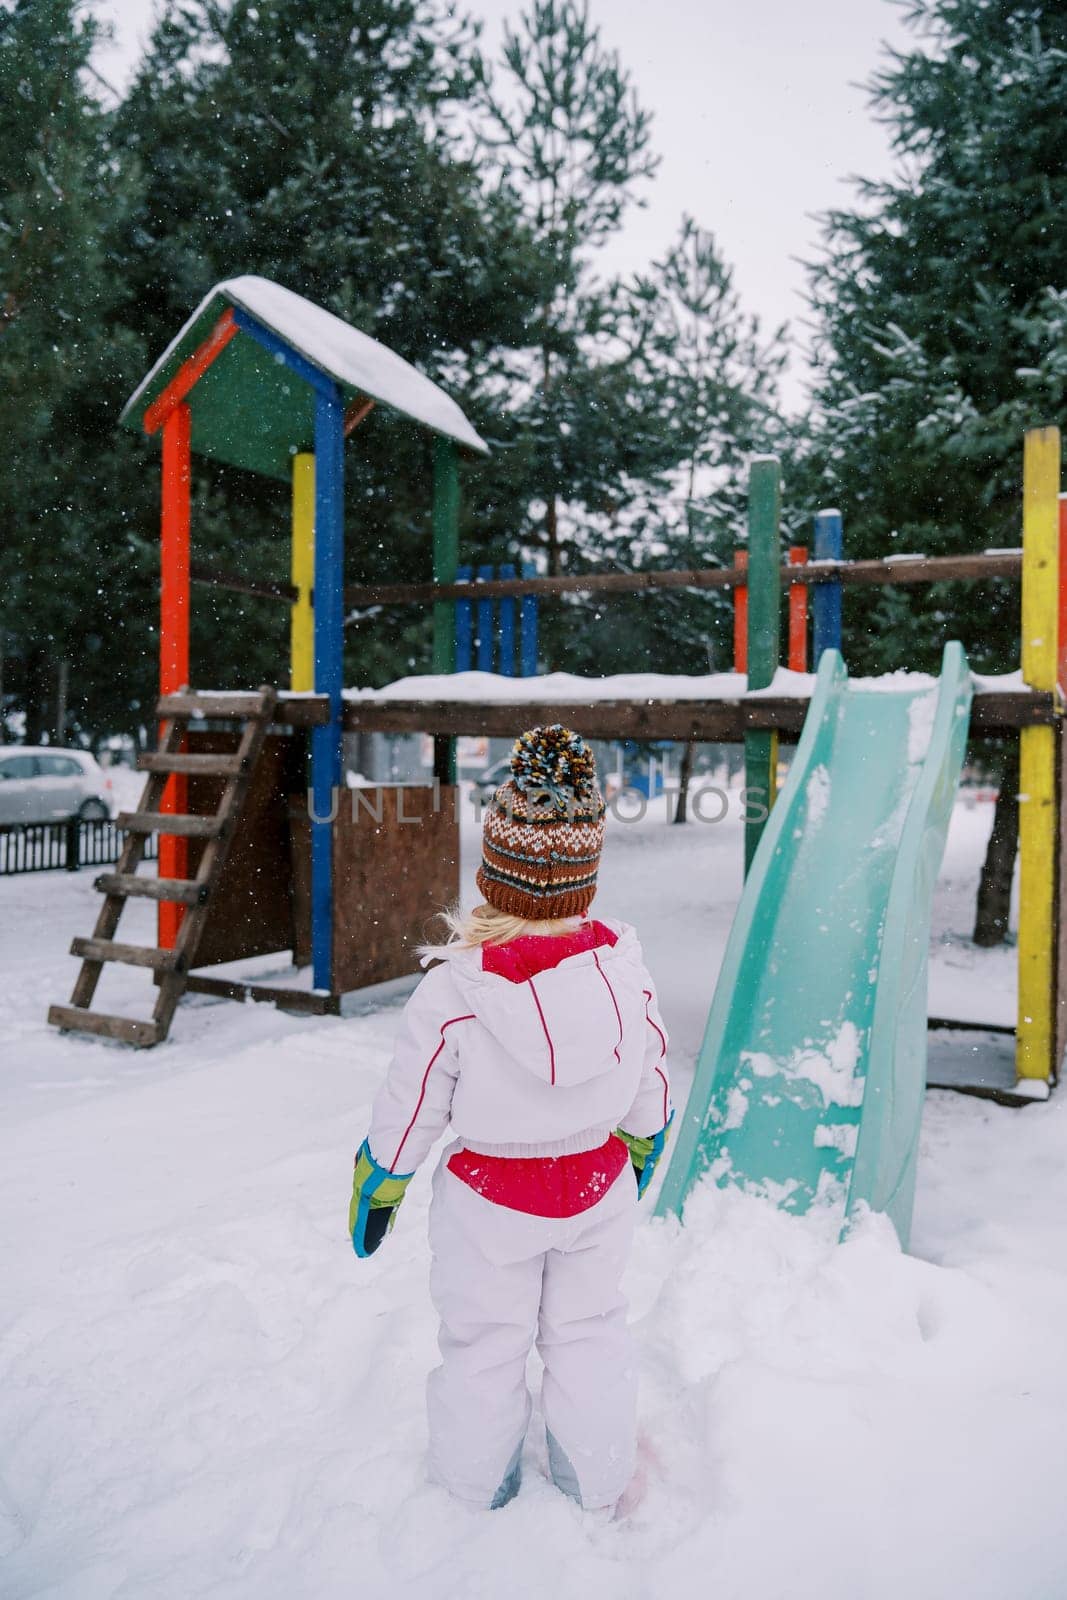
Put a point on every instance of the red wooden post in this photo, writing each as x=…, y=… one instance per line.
x=174, y=635
x=798, y=613
x=741, y=614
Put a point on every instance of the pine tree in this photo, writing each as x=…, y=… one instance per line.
x=327, y=150
x=567, y=125
x=702, y=385
x=943, y=308
x=64, y=577
x=943, y=301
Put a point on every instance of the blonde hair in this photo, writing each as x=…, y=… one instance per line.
x=486, y=925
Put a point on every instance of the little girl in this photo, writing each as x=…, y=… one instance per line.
x=539, y=1039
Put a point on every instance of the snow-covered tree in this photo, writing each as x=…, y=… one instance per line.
x=942, y=301
x=941, y=304
x=564, y=121
x=67, y=582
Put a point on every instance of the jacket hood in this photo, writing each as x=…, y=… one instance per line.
x=567, y=1024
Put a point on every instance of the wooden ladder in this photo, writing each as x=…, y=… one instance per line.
x=171, y=966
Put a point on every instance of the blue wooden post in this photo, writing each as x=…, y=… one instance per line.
x=506, y=617
x=485, y=627
x=528, y=627
x=826, y=599
x=464, y=625
x=329, y=630
x=329, y=646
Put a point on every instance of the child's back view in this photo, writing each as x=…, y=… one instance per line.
x=539, y=1038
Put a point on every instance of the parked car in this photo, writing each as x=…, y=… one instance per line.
x=488, y=782
x=42, y=784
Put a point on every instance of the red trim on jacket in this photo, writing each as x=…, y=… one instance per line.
x=662, y=1041
x=666, y=1095
x=548, y=1036
x=615, y=1003
x=662, y=1052
x=543, y=1186
x=422, y=1091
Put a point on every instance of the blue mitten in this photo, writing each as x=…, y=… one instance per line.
x=644, y=1153
x=376, y=1194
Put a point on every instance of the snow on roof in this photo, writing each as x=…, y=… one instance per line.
x=355, y=360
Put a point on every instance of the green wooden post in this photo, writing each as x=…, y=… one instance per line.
x=445, y=562
x=764, y=638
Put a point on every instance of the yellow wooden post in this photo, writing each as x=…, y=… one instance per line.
x=1037, y=759
x=302, y=619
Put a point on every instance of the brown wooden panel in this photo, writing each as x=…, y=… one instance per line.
x=306, y=1001
x=390, y=877
x=300, y=846
x=710, y=720
x=302, y=710
x=1020, y=709
x=252, y=910
x=605, y=719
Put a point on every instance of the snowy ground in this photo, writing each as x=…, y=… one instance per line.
x=204, y=1394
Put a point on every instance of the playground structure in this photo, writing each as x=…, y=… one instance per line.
x=255, y=378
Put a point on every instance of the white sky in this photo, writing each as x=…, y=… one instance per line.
x=758, y=116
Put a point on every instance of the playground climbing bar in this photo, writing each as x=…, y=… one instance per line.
x=826, y=602
x=797, y=654
x=740, y=611
x=764, y=643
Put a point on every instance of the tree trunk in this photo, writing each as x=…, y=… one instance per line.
x=994, y=888
x=37, y=695
x=684, y=775
x=62, y=696
x=552, y=538
x=551, y=518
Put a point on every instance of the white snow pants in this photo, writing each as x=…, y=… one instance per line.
x=501, y=1279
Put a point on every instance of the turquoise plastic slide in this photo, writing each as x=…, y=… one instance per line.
x=809, y=1084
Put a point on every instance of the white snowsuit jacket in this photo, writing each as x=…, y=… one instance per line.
x=546, y=1067
x=533, y=1065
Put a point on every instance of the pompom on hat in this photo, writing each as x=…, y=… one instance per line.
x=544, y=829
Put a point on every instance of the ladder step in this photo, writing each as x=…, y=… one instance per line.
x=228, y=706
x=133, y=955
x=220, y=765
x=186, y=891
x=128, y=1029
x=159, y=822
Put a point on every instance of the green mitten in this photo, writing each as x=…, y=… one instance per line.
x=644, y=1153
x=376, y=1194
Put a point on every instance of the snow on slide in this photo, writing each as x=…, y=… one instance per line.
x=809, y=1085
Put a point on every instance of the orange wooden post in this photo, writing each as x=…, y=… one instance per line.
x=798, y=613
x=190, y=372
x=174, y=635
x=741, y=614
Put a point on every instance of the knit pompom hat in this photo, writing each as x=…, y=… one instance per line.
x=544, y=829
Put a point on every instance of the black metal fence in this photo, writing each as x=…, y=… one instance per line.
x=45, y=846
